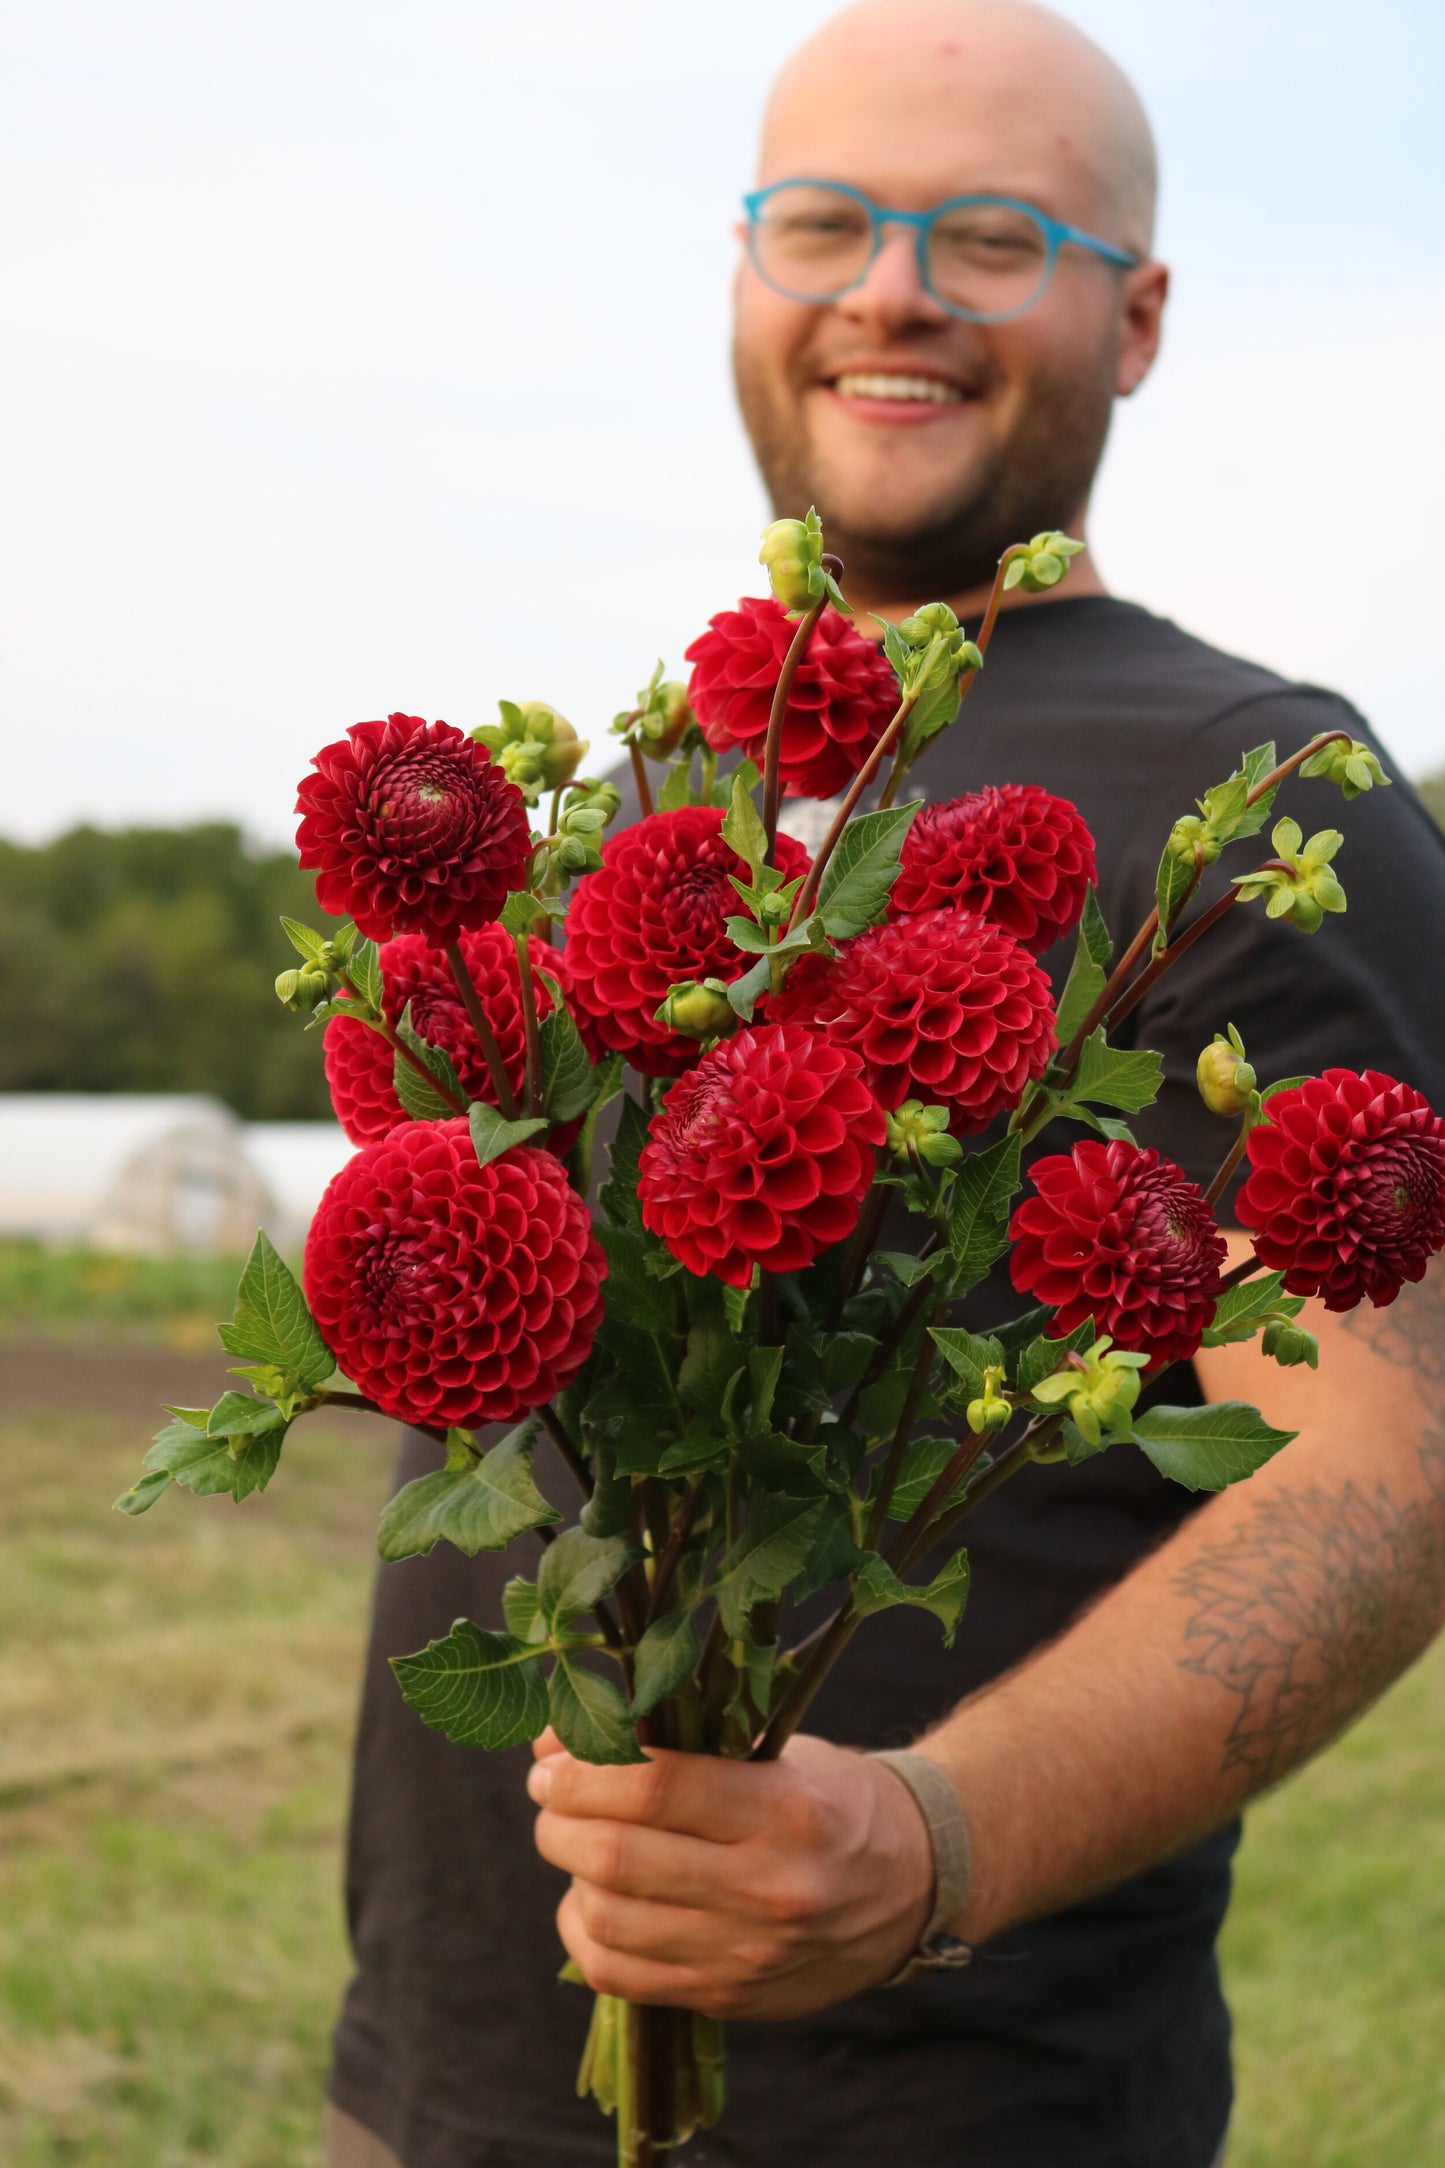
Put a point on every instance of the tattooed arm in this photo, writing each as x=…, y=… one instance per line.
x=1250, y=1639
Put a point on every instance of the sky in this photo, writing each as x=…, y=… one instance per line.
x=366, y=357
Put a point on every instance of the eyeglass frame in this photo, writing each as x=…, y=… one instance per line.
x=1055, y=231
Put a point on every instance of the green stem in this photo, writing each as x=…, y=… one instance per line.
x=856, y=788
x=531, y=1027
x=901, y=766
x=670, y=1556
x=486, y=1037
x=408, y=1054
x=773, y=745
x=888, y=1481
x=639, y=777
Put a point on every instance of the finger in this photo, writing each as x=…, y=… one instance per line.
x=546, y=1744
x=613, y=1972
x=633, y=1862
x=635, y=1927
x=692, y=1794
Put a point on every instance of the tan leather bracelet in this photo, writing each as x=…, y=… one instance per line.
x=939, y=1949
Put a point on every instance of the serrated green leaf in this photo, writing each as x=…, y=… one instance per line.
x=521, y=1611
x=481, y=1689
x=618, y=1196
x=492, y=1134
x=1210, y=1447
x=143, y=1493
x=735, y=1307
x=923, y=1463
x=878, y=1588
x=424, y=1102
x=567, y=1080
x=272, y=1323
x=305, y=940
x=742, y=828
x=833, y=1553
x=1086, y=978
x=676, y=789
x=978, y=1210
x=1042, y=1356
x=590, y=1716
x=521, y=912
x=577, y=1571
x=1282, y=1084
x=231, y=1466
x=1172, y=883
x=968, y=1354
x=746, y=934
x=666, y=1657
x=633, y=1295
x=1241, y=1311
x=858, y=878
x=768, y=1555
x=745, y=993
x=363, y=968
x=480, y=1507
x=1116, y=1076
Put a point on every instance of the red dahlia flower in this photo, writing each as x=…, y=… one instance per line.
x=653, y=914
x=1016, y=855
x=1119, y=1234
x=359, y=1062
x=842, y=699
x=942, y=1007
x=409, y=828
x=449, y=1292
x=1346, y=1190
x=761, y=1156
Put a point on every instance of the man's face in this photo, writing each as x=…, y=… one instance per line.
x=928, y=443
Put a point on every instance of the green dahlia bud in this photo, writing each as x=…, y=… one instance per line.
x=1305, y=885
x=665, y=720
x=1042, y=563
x=991, y=1412
x=1099, y=1388
x=941, y=653
x=914, y=1127
x=699, y=1009
x=1352, y=765
x=1226, y=1080
x=1192, y=836
x=1290, y=1344
x=288, y=985
x=534, y=746
x=793, y=554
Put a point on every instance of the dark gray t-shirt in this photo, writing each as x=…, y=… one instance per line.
x=1095, y=2039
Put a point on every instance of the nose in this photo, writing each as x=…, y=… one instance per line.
x=893, y=297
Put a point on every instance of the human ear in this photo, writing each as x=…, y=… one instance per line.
x=1146, y=288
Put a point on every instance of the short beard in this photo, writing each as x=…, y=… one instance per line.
x=1038, y=478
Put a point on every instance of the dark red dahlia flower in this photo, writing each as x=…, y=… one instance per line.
x=762, y=1155
x=653, y=914
x=1119, y=1234
x=1015, y=855
x=449, y=1292
x=942, y=1007
x=843, y=696
x=409, y=828
x=359, y=1062
x=1346, y=1190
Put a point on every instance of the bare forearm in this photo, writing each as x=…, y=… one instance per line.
x=1226, y=1660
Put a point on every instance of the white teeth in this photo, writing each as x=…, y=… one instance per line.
x=931, y=388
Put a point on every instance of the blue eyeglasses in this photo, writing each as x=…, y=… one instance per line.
x=982, y=258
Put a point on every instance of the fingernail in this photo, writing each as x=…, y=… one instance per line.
x=539, y=1783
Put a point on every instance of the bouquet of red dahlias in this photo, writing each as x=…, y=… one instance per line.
x=756, y=1402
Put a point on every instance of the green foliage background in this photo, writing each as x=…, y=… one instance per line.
x=142, y=960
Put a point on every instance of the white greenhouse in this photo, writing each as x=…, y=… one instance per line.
x=157, y=1174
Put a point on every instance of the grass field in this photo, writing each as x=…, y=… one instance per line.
x=175, y=1699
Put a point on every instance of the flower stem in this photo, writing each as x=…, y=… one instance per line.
x=408, y=1054
x=639, y=777
x=1231, y=1161
x=892, y=1466
x=856, y=788
x=531, y=1028
x=670, y=1555
x=985, y=634
x=486, y=1037
x=773, y=746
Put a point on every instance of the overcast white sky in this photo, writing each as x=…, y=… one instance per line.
x=298, y=425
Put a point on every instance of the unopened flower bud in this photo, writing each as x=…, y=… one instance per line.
x=1226, y=1080
x=917, y=1129
x=1290, y=1344
x=1350, y=763
x=287, y=984
x=1042, y=564
x=941, y=653
x=990, y=1412
x=573, y=855
x=1192, y=837
x=665, y=720
x=792, y=551
x=534, y=746
x=698, y=1009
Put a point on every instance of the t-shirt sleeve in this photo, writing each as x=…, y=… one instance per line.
x=1366, y=991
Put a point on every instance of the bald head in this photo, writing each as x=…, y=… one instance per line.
x=1009, y=76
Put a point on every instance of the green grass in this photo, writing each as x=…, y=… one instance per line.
x=62, y=1288
x=175, y=1705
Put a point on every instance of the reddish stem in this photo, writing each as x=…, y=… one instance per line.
x=773, y=747
x=639, y=777
x=408, y=1054
x=486, y=1037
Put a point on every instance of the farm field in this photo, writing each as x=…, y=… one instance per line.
x=176, y=1696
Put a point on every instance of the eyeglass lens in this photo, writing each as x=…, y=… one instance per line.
x=813, y=242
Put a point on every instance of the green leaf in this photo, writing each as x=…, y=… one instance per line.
x=859, y=877
x=305, y=940
x=492, y=1135
x=1241, y=1311
x=666, y=1657
x=1116, y=1076
x=422, y=1101
x=978, y=1210
x=231, y=1466
x=567, y=1080
x=1283, y=1084
x=923, y=1463
x=143, y=1493
x=634, y=1296
x=363, y=968
x=1207, y=1448
x=877, y=1588
x=735, y=1307
x=590, y=1717
x=1043, y=1356
x=676, y=787
x=968, y=1354
x=1256, y=766
x=521, y=912
x=520, y=1610
x=240, y=1415
x=743, y=830
x=272, y=1323
x=481, y=1689
x=765, y=1367
x=480, y=1507
x=1086, y=978
x=745, y=993
x=768, y=1555
x=618, y=1195
x=577, y=1571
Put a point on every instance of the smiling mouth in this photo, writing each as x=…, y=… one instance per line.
x=875, y=384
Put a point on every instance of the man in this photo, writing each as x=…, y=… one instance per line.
x=1130, y=1669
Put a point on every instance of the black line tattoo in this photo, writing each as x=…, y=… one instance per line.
x=1309, y=1609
